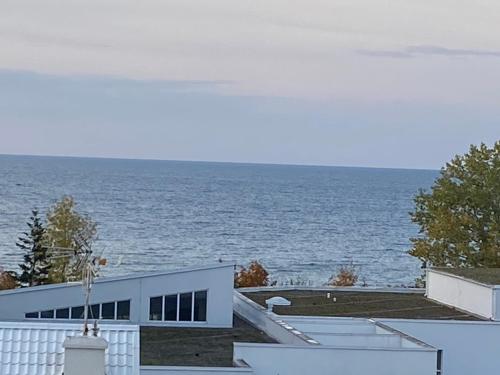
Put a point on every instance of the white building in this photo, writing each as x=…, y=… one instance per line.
x=186, y=317
x=200, y=297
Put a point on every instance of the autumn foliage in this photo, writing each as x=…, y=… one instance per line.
x=7, y=281
x=254, y=275
x=346, y=276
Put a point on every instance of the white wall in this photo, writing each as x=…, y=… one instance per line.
x=469, y=348
x=217, y=279
x=461, y=293
x=356, y=340
x=273, y=359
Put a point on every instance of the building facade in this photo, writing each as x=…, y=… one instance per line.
x=192, y=297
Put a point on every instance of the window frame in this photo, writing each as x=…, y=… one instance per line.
x=162, y=308
x=72, y=310
x=177, y=321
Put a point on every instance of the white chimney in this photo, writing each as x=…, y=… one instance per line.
x=84, y=355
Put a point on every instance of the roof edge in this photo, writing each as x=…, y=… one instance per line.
x=132, y=276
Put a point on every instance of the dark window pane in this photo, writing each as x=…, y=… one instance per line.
x=155, y=305
x=123, y=310
x=94, y=311
x=31, y=315
x=185, y=307
x=62, y=313
x=77, y=312
x=108, y=310
x=200, y=306
x=49, y=314
x=171, y=307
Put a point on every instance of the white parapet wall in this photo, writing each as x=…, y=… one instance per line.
x=464, y=294
x=468, y=347
x=267, y=321
x=266, y=359
x=192, y=370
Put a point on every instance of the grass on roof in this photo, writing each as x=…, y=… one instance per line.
x=207, y=347
x=360, y=304
x=489, y=276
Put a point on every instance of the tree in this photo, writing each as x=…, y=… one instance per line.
x=460, y=218
x=255, y=275
x=36, y=266
x=67, y=229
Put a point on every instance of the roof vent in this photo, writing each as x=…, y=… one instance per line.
x=276, y=301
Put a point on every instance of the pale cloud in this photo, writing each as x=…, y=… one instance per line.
x=415, y=51
x=306, y=49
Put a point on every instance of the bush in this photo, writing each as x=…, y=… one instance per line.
x=7, y=281
x=346, y=276
x=255, y=275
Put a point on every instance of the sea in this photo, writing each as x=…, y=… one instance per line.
x=301, y=222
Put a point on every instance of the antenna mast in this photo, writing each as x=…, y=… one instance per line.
x=90, y=266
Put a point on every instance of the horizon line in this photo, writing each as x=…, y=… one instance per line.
x=213, y=161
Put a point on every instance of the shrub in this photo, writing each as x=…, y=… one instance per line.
x=7, y=281
x=255, y=275
x=346, y=276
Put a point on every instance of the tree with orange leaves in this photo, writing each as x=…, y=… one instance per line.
x=255, y=275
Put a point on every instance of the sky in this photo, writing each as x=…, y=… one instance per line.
x=392, y=83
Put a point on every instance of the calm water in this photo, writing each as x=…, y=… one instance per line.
x=155, y=215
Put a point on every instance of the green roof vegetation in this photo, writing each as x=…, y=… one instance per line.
x=359, y=304
x=207, y=347
x=489, y=276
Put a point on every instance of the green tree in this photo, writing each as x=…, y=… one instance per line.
x=460, y=218
x=36, y=266
x=67, y=229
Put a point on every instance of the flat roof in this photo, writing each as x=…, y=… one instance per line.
x=359, y=304
x=207, y=347
x=490, y=276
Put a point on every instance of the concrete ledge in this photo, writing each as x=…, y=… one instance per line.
x=268, y=321
x=191, y=370
x=85, y=342
x=332, y=288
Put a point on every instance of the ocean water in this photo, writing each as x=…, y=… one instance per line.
x=301, y=222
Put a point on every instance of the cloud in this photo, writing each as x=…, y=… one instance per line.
x=386, y=53
x=414, y=51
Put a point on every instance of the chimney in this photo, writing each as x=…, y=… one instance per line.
x=84, y=355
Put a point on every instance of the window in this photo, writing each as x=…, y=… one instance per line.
x=183, y=307
x=108, y=310
x=123, y=310
x=77, y=312
x=200, y=306
x=62, y=313
x=48, y=314
x=171, y=307
x=94, y=311
x=155, y=304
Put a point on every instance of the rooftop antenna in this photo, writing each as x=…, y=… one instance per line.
x=90, y=265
